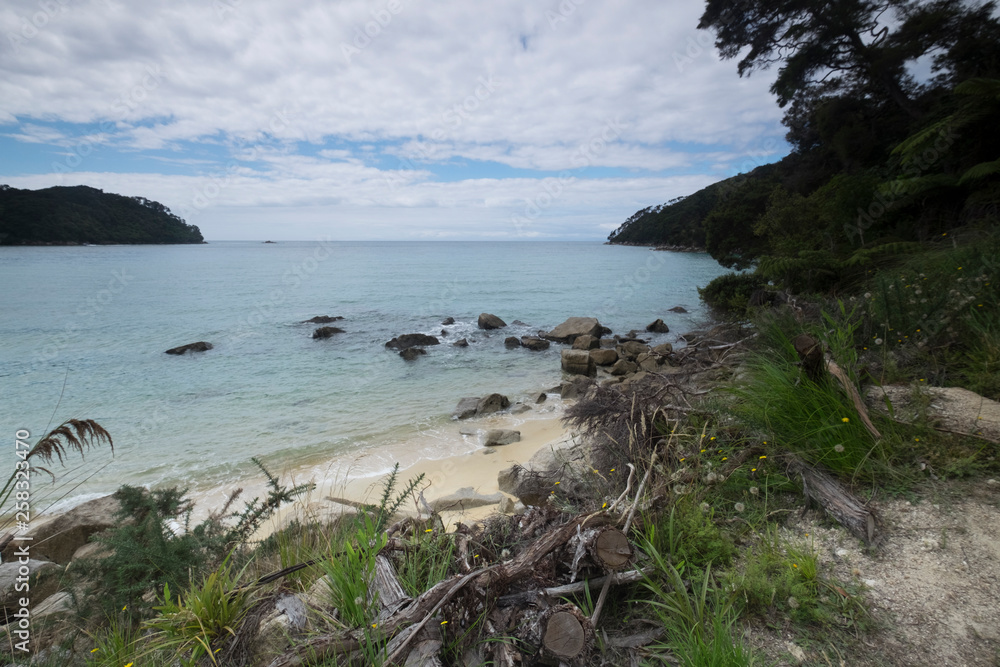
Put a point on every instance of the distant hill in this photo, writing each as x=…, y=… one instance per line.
x=80, y=214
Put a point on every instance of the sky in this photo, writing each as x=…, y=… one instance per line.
x=379, y=119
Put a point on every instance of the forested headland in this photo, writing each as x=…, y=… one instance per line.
x=81, y=214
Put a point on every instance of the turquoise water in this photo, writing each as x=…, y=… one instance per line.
x=84, y=331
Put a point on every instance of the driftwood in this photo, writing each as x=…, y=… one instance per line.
x=525, y=598
x=860, y=520
x=816, y=366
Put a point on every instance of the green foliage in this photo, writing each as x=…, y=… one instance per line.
x=426, y=562
x=699, y=622
x=84, y=215
x=349, y=570
x=115, y=645
x=731, y=292
x=144, y=554
x=195, y=624
x=256, y=511
x=690, y=535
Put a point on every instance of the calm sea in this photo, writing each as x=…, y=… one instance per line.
x=84, y=330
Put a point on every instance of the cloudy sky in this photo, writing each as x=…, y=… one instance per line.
x=378, y=119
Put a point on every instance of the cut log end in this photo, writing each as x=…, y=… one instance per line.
x=564, y=635
x=613, y=549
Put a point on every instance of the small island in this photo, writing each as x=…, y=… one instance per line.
x=82, y=215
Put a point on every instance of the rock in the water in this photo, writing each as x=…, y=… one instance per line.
x=578, y=362
x=542, y=397
x=412, y=340
x=498, y=436
x=519, y=323
x=488, y=321
x=326, y=332
x=411, y=353
x=463, y=499
x=624, y=367
x=534, y=343
x=448, y=320
x=461, y=342
x=510, y=342
x=200, y=346
x=573, y=328
x=586, y=342
x=323, y=319
x=677, y=309
x=466, y=408
x=519, y=408
x=57, y=540
x=659, y=326
x=492, y=403
x=604, y=357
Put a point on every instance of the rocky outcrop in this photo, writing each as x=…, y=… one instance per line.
x=586, y=342
x=412, y=340
x=492, y=403
x=488, y=321
x=573, y=328
x=461, y=342
x=578, y=362
x=659, y=326
x=511, y=342
x=632, y=349
x=575, y=388
x=555, y=470
x=534, y=343
x=663, y=349
x=624, y=367
x=411, y=353
x=448, y=320
x=39, y=575
x=200, y=346
x=499, y=436
x=326, y=332
x=604, y=357
x=323, y=319
x=677, y=309
x=466, y=408
x=57, y=540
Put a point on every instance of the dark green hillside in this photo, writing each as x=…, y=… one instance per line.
x=80, y=214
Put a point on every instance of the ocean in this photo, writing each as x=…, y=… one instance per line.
x=84, y=330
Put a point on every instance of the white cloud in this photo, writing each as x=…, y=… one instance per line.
x=510, y=82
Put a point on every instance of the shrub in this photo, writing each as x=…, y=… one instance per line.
x=731, y=292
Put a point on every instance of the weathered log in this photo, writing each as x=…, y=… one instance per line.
x=556, y=592
x=861, y=521
x=606, y=547
x=562, y=632
x=852, y=393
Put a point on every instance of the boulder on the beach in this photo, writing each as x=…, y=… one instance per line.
x=57, y=540
x=500, y=436
x=511, y=342
x=464, y=499
x=647, y=361
x=664, y=349
x=574, y=327
x=677, y=309
x=492, y=403
x=40, y=575
x=466, y=408
x=575, y=388
x=412, y=340
x=326, y=332
x=448, y=320
x=200, y=346
x=488, y=321
x=534, y=343
x=604, y=357
x=578, y=362
x=411, y=353
x=518, y=408
x=586, y=342
x=542, y=397
x=632, y=349
x=658, y=326
x=323, y=319
x=461, y=342
x=624, y=367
